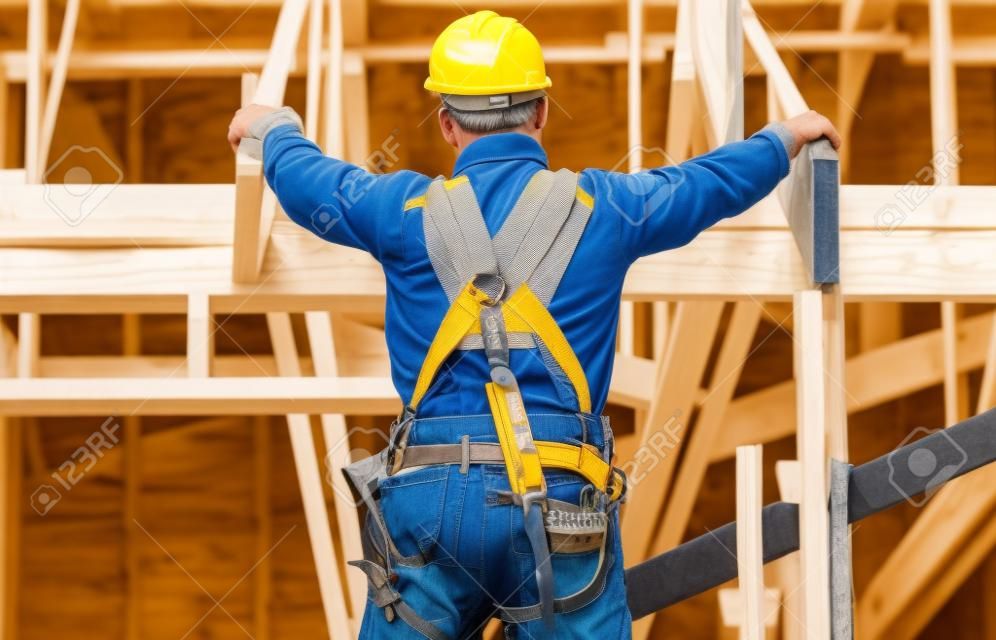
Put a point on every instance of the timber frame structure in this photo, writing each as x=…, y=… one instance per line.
x=219, y=250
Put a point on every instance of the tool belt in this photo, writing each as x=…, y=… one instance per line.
x=499, y=289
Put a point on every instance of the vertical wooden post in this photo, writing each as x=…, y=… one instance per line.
x=57, y=82
x=634, y=128
x=200, y=335
x=334, y=132
x=337, y=456
x=314, y=76
x=132, y=345
x=264, y=527
x=35, y=88
x=323, y=547
x=811, y=407
x=750, y=550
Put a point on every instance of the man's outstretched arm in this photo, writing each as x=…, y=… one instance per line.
x=667, y=207
x=327, y=196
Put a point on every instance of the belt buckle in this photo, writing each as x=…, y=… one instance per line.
x=398, y=440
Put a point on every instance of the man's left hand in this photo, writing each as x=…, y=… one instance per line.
x=244, y=117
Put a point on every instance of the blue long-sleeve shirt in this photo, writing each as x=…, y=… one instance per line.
x=633, y=216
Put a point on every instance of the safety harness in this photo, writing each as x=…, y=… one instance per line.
x=499, y=289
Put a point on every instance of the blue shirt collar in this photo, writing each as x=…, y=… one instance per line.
x=500, y=147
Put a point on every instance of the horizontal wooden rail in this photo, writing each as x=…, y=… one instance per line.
x=197, y=397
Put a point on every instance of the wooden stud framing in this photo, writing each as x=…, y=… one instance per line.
x=336, y=435
x=309, y=477
x=200, y=336
x=726, y=374
x=262, y=476
x=750, y=550
x=35, y=87
x=812, y=453
x=57, y=81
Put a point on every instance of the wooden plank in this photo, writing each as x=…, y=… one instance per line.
x=906, y=265
x=131, y=339
x=987, y=388
x=313, y=79
x=912, y=364
x=147, y=215
x=355, y=110
x=731, y=616
x=11, y=484
x=263, y=575
x=35, y=87
x=201, y=397
x=251, y=220
x=750, y=552
x=634, y=133
x=323, y=547
x=811, y=409
x=661, y=437
x=718, y=56
x=726, y=374
x=337, y=456
x=200, y=336
x=57, y=81
x=334, y=132
x=810, y=199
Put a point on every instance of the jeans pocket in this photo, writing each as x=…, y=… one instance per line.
x=412, y=505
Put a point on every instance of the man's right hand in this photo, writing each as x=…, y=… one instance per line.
x=244, y=117
x=811, y=126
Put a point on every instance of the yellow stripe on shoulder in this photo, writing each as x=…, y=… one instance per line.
x=415, y=203
x=585, y=198
x=455, y=182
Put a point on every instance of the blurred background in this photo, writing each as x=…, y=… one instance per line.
x=194, y=528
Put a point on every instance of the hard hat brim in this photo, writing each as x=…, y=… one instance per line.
x=486, y=90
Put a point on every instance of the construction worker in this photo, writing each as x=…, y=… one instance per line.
x=495, y=496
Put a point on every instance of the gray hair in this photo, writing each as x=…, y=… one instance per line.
x=494, y=120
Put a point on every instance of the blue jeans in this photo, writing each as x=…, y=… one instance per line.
x=479, y=555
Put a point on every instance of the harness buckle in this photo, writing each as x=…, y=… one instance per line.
x=398, y=441
x=492, y=285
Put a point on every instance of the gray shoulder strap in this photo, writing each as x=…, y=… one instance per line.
x=456, y=236
x=537, y=241
x=534, y=245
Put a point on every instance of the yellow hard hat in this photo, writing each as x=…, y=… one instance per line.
x=486, y=54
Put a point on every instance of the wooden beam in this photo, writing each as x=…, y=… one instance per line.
x=719, y=265
x=11, y=491
x=57, y=81
x=323, y=547
x=35, y=89
x=200, y=336
x=717, y=48
x=263, y=575
x=132, y=480
x=661, y=437
x=199, y=397
x=726, y=374
x=811, y=444
x=313, y=78
x=146, y=215
x=912, y=364
x=253, y=211
x=750, y=551
x=337, y=456
x=335, y=134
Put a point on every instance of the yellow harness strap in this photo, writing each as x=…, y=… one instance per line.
x=523, y=313
x=522, y=460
